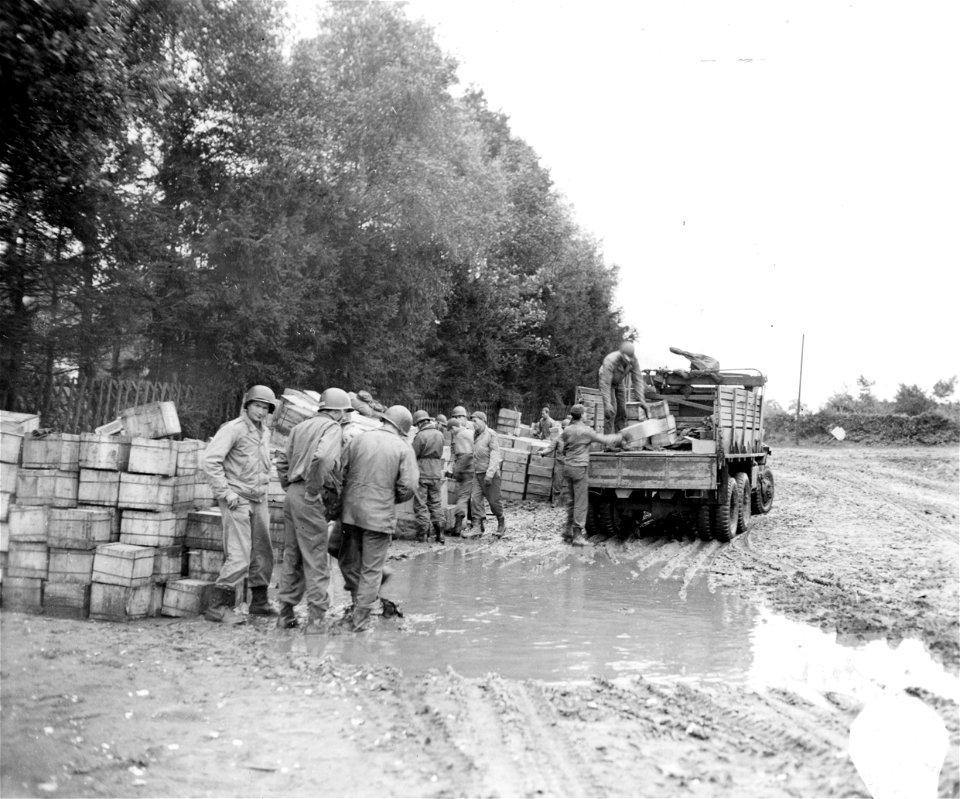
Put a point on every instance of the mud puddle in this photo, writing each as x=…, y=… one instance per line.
x=584, y=615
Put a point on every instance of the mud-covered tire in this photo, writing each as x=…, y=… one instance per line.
x=726, y=515
x=743, y=486
x=704, y=522
x=761, y=500
x=608, y=520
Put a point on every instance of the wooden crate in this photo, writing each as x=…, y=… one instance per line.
x=24, y=594
x=168, y=563
x=114, y=514
x=10, y=445
x=79, y=528
x=156, y=600
x=110, y=453
x=203, y=493
x=6, y=501
x=149, y=529
x=123, y=564
x=70, y=566
x=186, y=597
x=153, y=420
x=8, y=478
x=145, y=492
x=537, y=469
x=188, y=455
x=66, y=600
x=22, y=423
x=98, y=487
x=204, y=564
x=52, y=451
x=4, y=541
x=290, y=414
x=47, y=487
x=30, y=523
x=153, y=457
x=204, y=530
x=27, y=559
x=185, y=492
x=109, y=602
x=510, y=495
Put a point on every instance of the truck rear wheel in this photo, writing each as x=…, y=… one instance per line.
x=608, y=520
x=743, y=486
x=726, y=515
x=705, y=522
x=762, y=498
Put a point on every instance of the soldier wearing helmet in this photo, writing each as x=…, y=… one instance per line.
x=237, y=465
x=620, y=378
x=428, y=447
x=379, y=470
x=573, y=447
x=461, y=468
x=309, y=471
x=486, y=478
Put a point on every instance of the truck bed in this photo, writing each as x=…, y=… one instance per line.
x=649, y=469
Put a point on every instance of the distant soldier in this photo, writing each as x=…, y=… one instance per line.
x=237, y=465
x=428, y=447
x=486, y=477
x=461, y=469
x=574, y=447
x=379, y=471
x=620, y=378
x=545, y=424
x=309, y=471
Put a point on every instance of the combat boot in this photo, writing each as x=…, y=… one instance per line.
x=567, y=534
x=260, y=604
x=578, y=539
x=438, y=532
x=501, y=527
x=287, y=619
x=221, y=607
x=457, y=524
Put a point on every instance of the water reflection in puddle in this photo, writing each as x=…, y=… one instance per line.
x=578, y=616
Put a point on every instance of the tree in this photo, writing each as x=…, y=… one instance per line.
x=840, y=402
x=942, y=389
x=912, y=401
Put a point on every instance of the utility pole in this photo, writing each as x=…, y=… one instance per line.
x=796, y=427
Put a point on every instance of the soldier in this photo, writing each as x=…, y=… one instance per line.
x=574, y=447
x=428, y=447
x=309, y=471
x=620, y=378
x=237, y=464
x=379, y=470
x=461, y=469
x=486, y=477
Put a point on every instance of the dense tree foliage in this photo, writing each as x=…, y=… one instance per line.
x=187, y=198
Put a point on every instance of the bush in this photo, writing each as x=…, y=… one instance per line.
x=929, y=428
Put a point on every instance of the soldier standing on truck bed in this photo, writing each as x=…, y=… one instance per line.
x=620, y=378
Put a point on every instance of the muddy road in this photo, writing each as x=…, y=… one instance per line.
x=662, y=666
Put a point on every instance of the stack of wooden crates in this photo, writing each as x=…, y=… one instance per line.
x=98, y=523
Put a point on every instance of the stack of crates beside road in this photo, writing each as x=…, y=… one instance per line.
x=513, y=476
x=508, y=421
x=98, y=522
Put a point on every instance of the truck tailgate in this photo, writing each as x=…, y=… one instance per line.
x=652, y=470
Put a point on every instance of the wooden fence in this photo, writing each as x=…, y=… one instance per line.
x=76, y=405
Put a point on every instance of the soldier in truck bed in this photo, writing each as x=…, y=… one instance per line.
x=620, y=379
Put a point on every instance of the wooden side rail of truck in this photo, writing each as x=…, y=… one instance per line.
x=717, y=476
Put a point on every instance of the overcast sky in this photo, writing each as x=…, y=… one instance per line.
x=757, y=170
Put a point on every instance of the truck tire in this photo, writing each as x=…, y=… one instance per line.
x=592, y=527
x=705, y=522
x=726, y=515
x=743, y=486
x=761, y=501
x=608, y=520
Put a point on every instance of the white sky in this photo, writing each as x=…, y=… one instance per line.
x=758, y=170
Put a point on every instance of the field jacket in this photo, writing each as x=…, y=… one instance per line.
x=379, y=470
x=313, y=456
x=486, y=453
x=575, y=441
x=428, y=447
x=615, y=371
x=238, y=459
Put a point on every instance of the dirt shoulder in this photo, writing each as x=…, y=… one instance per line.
x=861, y=540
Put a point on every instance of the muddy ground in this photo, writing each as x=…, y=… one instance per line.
x=863, y=541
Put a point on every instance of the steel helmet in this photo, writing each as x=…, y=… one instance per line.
x=260, y=394
x=420, y=416
x=480, y=416
x=459, y=411
x=441, y=419
x=577, y=411
x=399, y=417
x=335, y=399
